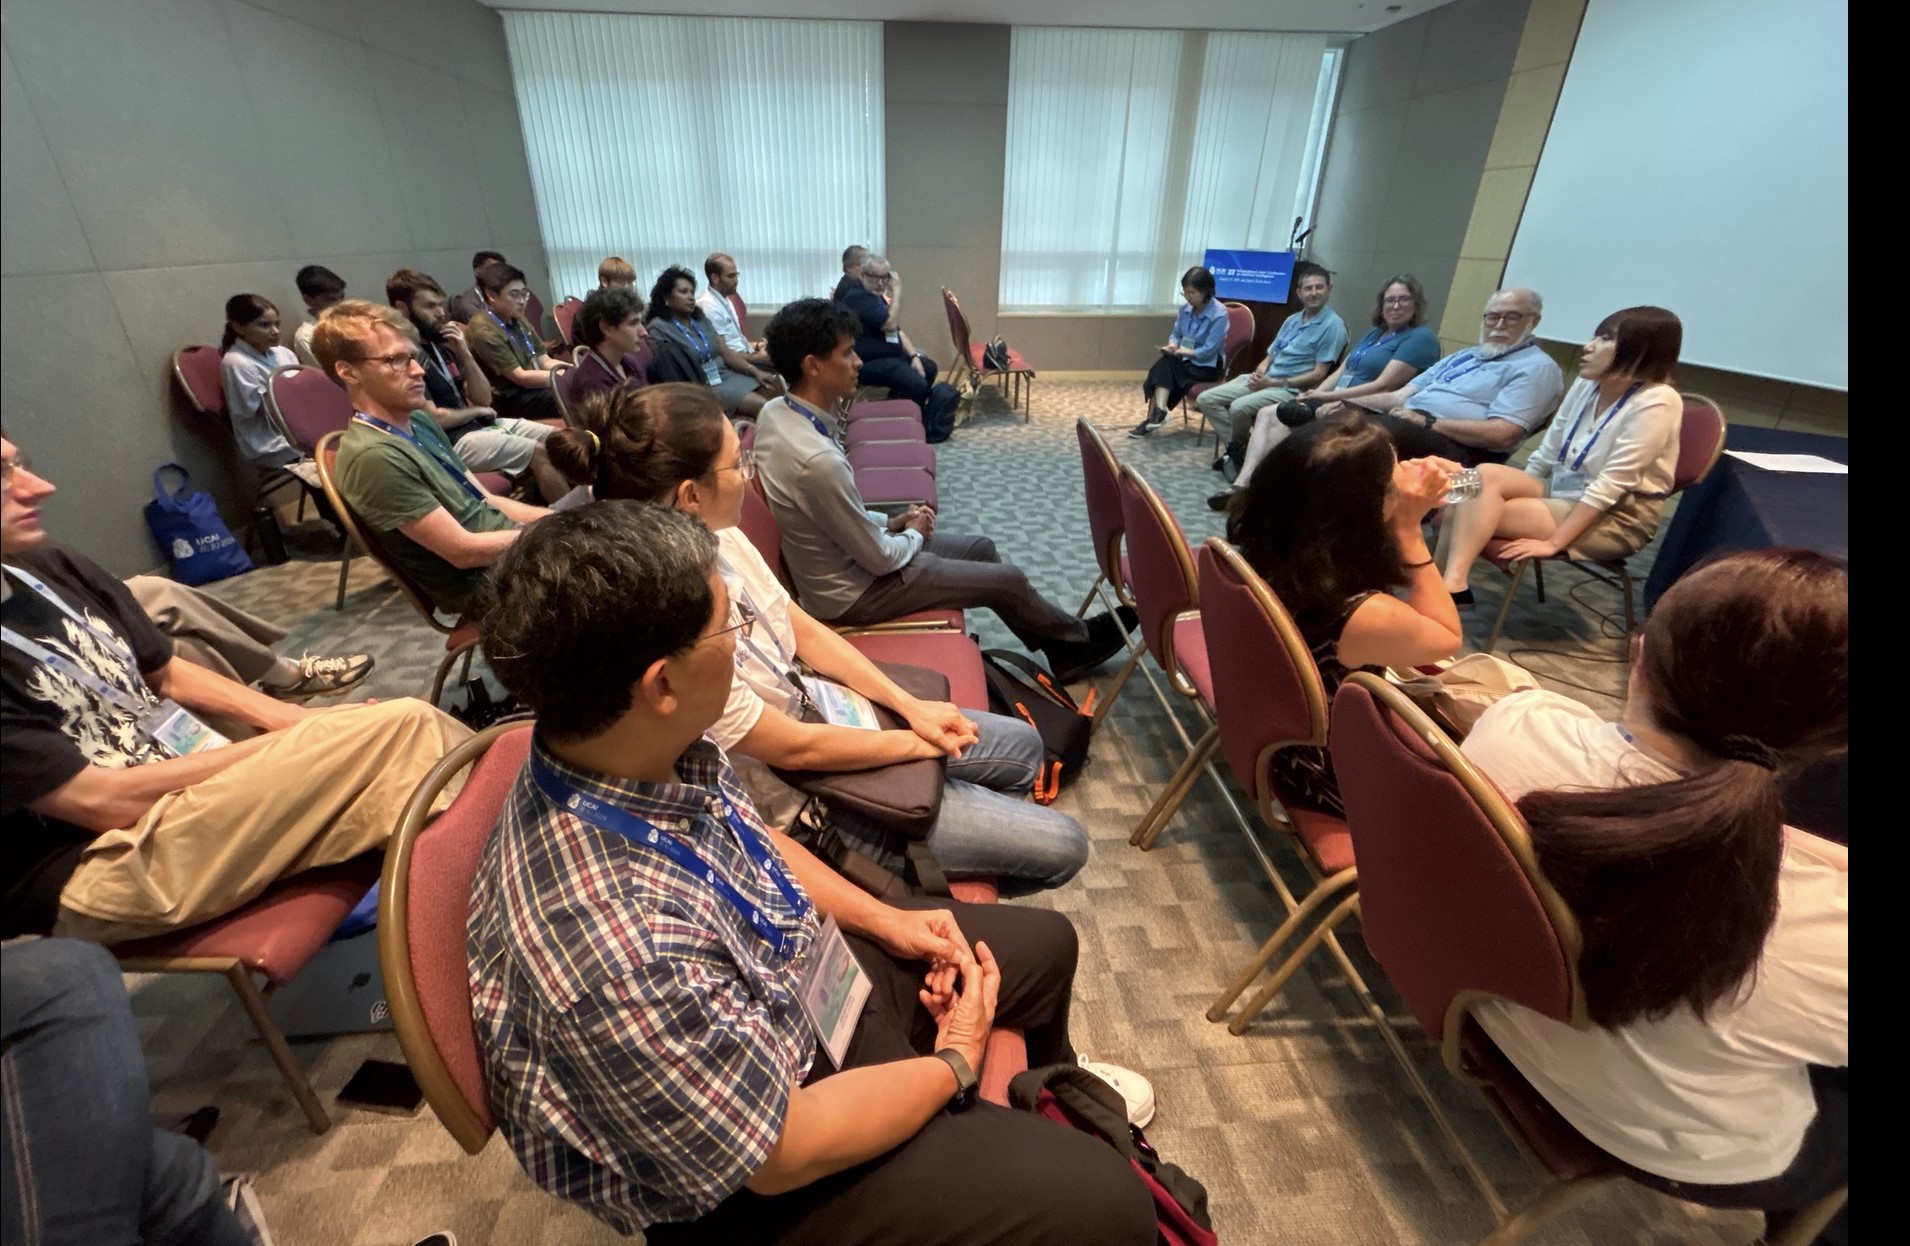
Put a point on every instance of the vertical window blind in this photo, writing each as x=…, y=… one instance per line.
x=662, y=139
x=1130, y=152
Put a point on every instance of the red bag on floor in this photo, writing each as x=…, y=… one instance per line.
x=1070, y=1095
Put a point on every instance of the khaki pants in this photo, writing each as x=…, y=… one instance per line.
x=323, y=792
x=206, y=631
x=1238, y=400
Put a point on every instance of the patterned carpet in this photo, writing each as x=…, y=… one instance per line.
x=1304, y=1130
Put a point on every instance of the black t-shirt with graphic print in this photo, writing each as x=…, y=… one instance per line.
x=52, y=726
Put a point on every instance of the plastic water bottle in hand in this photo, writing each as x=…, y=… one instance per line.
x=1463, y=485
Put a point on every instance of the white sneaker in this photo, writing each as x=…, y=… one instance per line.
x=1136, y=1090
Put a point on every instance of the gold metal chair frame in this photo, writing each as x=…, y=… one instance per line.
x=441, y=1090
x=1612, y=572
x=356, y=535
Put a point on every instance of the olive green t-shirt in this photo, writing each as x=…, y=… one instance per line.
x=499, y=352
x=389, y=482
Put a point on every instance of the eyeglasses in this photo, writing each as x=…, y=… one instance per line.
x=1512, y=317
x=18, y=463
x=518, y=296
x=745, y=464
x=745, y=622
x=397, y=361
x=1398, y=300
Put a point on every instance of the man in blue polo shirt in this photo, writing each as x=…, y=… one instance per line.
x=1477, y=405
x=1304, y=352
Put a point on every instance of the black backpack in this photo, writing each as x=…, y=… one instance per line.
x=1019, y=688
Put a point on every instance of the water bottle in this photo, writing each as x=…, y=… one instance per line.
x=1464, y=485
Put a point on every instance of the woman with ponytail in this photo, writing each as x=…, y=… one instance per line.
x=249, y=351
x=1715, y=938
x=671, y=444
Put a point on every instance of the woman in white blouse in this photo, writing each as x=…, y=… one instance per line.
x=249, y=352
x=1597, y=484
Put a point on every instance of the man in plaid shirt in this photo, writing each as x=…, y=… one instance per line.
x=637, y=1000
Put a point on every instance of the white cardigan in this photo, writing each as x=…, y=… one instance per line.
x=1635, y=453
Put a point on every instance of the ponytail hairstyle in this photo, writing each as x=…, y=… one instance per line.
x=242, y=309
x=641, y=444
x=1675, y=885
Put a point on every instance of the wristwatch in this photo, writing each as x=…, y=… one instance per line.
x=965, y=1080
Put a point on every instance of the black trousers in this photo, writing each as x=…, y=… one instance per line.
x=1822, y=1165
x=1411, y=441
x=985, y=1175
x=961, y=573
x=1176, y=374
x=527, y=404
x=938, y=402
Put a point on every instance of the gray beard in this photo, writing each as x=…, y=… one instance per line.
x=1486, y=350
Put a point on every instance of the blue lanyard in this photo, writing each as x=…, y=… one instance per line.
x=1599, y=429
x=1445, y=374
x=619, y=821
x=118, y=697
x=1359, y=352
x=514, y=333
x=811, y=416
x=405, y=434
x=701, y=337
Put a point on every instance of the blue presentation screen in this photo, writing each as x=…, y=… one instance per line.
x=1251, y=276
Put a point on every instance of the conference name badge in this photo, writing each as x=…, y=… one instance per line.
x=712, y=371
x=173, y=728
x=834, y=988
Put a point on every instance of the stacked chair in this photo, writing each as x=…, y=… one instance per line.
x=888, y=450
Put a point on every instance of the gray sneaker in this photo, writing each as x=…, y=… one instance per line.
x=324, y=677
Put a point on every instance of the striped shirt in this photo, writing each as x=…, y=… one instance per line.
x=640, y=1039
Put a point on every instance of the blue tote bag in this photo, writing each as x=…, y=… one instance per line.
x=187, y=526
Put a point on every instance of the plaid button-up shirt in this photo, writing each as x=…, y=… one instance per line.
x=640, y=1038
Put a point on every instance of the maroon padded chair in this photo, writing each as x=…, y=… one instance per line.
x=951, y=653
x=759, y=525
x=1701, y=434
x=534, y=312
x=894, y=430
x=273, y=937
x=424, y=902
x=565, y=315
x=969, y=360
x=883, y=409
x=918, y=455
x=896, y=486
x=1268, y=696
x=1160, y=572
x=742, y=314
x=306, y=404
x=1101, y=484
x=1239, y=337
x=196, y=370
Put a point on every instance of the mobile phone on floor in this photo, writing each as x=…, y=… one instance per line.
x=383, y=1086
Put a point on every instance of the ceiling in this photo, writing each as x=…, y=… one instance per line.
x=1327, y=16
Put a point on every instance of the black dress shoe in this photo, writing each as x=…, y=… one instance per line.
x=1219, y=464
x=1147, y=425
x=1222, y=500
x=1462, y=598
x=1071, y=660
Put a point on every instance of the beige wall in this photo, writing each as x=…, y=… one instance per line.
x=161, y=155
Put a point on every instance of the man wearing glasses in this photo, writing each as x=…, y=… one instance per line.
x=508, y=348
x=1477, y=405
x=889, y=359
x=397, y=469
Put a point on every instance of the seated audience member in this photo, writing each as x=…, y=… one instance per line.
x=1597, y=484
x=1194, y=350
x=670, y=444
x=852, y=565
x=320, y=288
x=889, y=359
x=1716, y=938
x=609, y=329
x=686, y=347
x=471, y=303
x=640, y=941
x=227, y=640
x=1396, y=349
x=1332, y=524
x=508, y=349
x=1477, y=405
x=616, y=273
x=852, y=258
x=457, y=393
x=124, y=817
x=720, y=279
x=84, y=1161
x=397, y=470
x=249, y=353
x=1304, y=351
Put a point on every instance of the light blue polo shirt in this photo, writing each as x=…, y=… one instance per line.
x=1523, y=385
x=1302, y=345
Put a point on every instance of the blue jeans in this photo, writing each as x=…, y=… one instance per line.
x=83, y=1162
x=987, y=826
